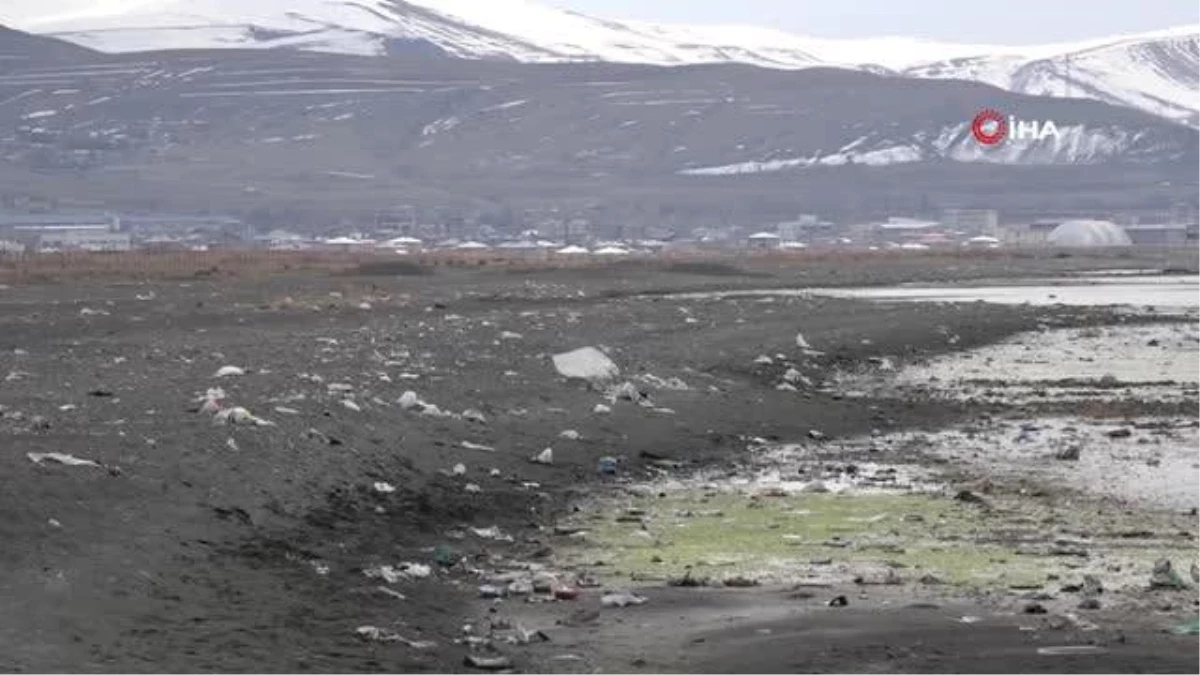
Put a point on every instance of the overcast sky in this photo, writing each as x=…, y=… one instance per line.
x=978, y=21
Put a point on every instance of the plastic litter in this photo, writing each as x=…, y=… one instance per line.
x=622, y=599
x=1071, y=650
x=60, y=458
x=1189, y=627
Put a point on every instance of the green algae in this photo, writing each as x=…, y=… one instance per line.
x=917, y=535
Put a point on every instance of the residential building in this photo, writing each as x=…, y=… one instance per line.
x=972, y=221
x=81, y=239
x=1160, y=234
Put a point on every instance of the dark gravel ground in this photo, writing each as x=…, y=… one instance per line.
x=184, y=553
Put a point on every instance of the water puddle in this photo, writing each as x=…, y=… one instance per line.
x=1165, y=292
x=1154, y=362
x=1148, y=462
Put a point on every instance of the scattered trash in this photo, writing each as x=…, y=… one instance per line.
x=349, y=404
x=472, y=415
x=239, y=416
x=1071, y=650
x=970, y=619
x=387, y=591
x=385, y=488
x=60, y=458
x=490, y=592
x=376, y=634
x=1164, y=577
x=839, y=601
x=570, y=434
x=443, y=556
x=1120, y=433
x=409, y=400
x=229, y=371
x=1069, y=453
x=493, y=532
x=1034, y=608
x=622, y=599
x=586, y=363
x=477, y=446
x=626, y=391
x=607, y=466
x=601, y=409
x=566, y=593
x=1189, y=627
x=544, y=457
x=231, y=444
x=459, y=469
x=487, y=662
x=401, y=572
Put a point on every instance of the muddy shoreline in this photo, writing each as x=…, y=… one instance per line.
x=195, y=546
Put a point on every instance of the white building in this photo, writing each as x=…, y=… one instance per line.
x=85, y=238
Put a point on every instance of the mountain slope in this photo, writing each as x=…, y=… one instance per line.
x=1157, y=73
x=514, y=29
x=19, y=49
x=303, y=136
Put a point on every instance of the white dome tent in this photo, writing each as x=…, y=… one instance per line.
x=1088, y=234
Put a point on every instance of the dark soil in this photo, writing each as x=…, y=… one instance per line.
x=182, y=553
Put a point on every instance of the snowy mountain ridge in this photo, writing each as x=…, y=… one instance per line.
x=1157, y=71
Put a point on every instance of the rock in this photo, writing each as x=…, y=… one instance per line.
x=1034, y=608
x=1195, y=573
x=763, y=360
x=586, y=363
x=1120, y=433
x=816, y=435
x=801, y=342
x=1091, y=586
x=472, y=415
x=544, y=457
x=601, y=409
x=839, y=601
x=229, y=371
x=384, y=488
x=349, y=404
x=569, y=434
x=1089, y=603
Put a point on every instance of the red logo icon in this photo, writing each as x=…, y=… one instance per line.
x=989, y=127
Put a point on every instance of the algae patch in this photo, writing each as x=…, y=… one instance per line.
x=799, y=536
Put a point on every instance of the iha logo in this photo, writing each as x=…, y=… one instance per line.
x=991, y=128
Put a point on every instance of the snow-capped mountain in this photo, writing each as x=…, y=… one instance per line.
x=1156, y=72
x=301, y=135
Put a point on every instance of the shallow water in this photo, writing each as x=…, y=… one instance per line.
x=1155, y=466
x=1153, y=362
x=1163, y=292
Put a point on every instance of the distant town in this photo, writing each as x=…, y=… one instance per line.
x=48, y=233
